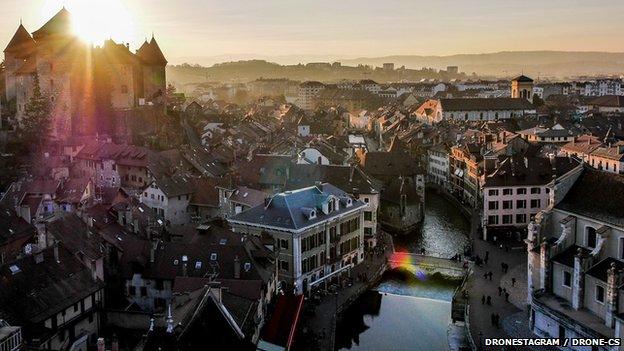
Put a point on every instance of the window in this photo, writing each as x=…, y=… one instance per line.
x=536, y=191
x=213, y=256
x=535, y=203
x=493, y=192
x=520, y=203
x=368, y=231
x=507, y=219
x=567, y=279
x=492, y=219
x=143, y=291
x=600, y=294
x=132, y=290
x=507, y=205
x=283, y=244
x=521, y=218
x=521, y=191
x=508, y=191
x=622, y=248
x=366, y=200
x=124, y=89
x=283, y=265
x=590, y=237
x=493, y=205
x=368, y=215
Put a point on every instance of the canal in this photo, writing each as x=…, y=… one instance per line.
x=408, y=311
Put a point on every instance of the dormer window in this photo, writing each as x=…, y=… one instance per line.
x=313, y=214
x=198, y=265
x=247, y=266
x=213, y=256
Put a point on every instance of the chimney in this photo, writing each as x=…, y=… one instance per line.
x=613, y=280
x=578, y=280
x=101, y=344
x=56, y=252
x=237, y=267
x=135, y=225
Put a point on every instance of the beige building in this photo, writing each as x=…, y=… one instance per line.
x=522, y=88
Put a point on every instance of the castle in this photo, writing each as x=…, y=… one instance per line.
x=84, y=84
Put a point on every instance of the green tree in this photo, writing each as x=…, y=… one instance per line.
x=36, y=125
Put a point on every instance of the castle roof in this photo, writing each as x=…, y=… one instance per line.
x=60, y=24
x=150, y=53
x=522, y=79
x=21, y=42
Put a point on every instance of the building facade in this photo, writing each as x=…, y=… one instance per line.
x=575, y=262
x=317, y=233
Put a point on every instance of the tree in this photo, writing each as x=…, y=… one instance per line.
x=36, y=124
x=537, y=101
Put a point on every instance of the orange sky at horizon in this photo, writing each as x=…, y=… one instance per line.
x=344, y=29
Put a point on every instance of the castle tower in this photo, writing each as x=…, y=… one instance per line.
x=20, y=49
x=154, y=77
x=522, y=88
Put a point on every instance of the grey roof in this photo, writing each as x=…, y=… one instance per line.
x=348, y=178
x=486, y=104
x=595, y=195
x=516, y=171
x=287, y=210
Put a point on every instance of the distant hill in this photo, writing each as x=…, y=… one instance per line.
x=543, y=64
x=558, y=64
x=245, y=71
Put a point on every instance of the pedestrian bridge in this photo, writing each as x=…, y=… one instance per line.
x=427, y=264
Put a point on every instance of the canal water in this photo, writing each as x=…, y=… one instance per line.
x=408, y=311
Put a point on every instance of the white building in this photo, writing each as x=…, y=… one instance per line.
x=473, y=109
x=519, y=188
x=317, y=230
x=438, y=166
x=308, y=92
x=170, y=198
x=576, y=262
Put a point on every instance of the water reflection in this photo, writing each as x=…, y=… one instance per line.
x=402, y=313
x=406, y=311
x=444, y=231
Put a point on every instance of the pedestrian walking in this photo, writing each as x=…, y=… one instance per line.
x=490, y=275
x=500, y=291
x=486, y=259
x=507, y=296
x=485, y=276
x=487, y=254
x=513, y=281
x=483, y=300
x=488, y=300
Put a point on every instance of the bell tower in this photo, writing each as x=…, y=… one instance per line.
x=522, y=88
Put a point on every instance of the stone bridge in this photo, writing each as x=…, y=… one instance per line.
x=427, y=264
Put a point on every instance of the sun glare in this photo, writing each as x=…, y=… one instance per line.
x=98, y=20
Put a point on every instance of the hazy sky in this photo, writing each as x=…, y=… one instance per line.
x=346, y=28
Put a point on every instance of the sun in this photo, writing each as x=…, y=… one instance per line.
x=98, y=20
